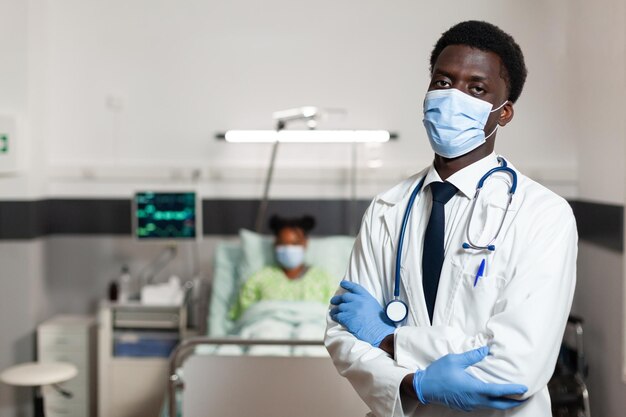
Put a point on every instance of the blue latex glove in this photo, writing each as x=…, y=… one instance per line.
x=446, y=382
x=361, y=314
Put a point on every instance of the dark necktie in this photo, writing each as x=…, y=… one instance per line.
x=432, y=256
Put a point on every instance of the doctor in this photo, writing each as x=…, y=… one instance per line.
x=488, y=279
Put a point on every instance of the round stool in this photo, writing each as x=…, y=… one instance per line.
x=38, y=374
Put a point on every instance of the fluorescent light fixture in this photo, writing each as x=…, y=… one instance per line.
x=307, y=136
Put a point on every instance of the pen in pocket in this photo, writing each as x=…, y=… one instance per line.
x=481, y=271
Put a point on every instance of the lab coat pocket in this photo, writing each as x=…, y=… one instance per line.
x=474, y=305
x=493, y=213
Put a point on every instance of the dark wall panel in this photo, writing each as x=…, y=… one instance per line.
x=226, y=217
x=88, y=217
x=30, y=219
x=22, y=219
x=602, y=224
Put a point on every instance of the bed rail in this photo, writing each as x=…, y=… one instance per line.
x=186, y=348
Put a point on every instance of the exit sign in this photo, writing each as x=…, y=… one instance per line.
x=8, y=159
x=4, y=143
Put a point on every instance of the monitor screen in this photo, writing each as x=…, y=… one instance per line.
x=160, y=215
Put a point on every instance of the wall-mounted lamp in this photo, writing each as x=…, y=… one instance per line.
x=310, y=114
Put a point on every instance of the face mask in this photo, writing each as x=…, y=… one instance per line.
x=290, y=256
x=454, y=121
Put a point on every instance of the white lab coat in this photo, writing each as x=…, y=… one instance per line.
x=519, y=307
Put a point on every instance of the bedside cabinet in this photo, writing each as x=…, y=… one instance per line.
x=72, y=339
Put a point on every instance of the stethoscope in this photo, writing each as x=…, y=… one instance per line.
x=397, y=309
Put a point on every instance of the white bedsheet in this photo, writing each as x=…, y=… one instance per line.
x=280, y=320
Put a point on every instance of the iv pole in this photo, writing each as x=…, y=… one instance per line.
x=307, y=113
x=262, y=212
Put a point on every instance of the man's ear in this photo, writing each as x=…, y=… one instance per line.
x=506, y=114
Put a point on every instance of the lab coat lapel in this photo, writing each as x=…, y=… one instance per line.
x=397, y=199
x=411, y=266
x=393, y=222
x=411, y=270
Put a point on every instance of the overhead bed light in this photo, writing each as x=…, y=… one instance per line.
x=307, y=136
x=310, y=116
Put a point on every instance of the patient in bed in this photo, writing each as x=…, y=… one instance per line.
x=289, y=279
x=287, y=300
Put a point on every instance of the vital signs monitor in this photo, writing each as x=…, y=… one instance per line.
x=166, y=215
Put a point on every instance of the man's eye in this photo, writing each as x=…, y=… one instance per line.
x=442, y=83
x=478, y=90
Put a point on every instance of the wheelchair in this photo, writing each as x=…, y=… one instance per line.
x=568, y=390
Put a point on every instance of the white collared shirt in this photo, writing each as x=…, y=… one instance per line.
x=519, y=307
x=465, y=180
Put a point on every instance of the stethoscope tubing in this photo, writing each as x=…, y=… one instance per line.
x=405, y=219
x=490, y=245
x=470, y=245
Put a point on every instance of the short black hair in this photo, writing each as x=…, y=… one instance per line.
x=488, y=37
x=306, y=223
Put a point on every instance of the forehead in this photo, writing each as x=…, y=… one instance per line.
x=290, y=233
x=467, y=62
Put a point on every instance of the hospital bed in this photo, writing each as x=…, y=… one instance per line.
x=205, y=381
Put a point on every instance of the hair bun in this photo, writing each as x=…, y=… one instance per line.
x=276, y=223
x=306, y=223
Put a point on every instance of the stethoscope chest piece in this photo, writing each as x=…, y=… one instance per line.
x=396, y=311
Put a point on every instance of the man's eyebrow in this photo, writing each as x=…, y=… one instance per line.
x=479, y=78
x=447, y=74
x=442, y=72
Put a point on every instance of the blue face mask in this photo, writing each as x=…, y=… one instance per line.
x=454, y=121
x=289, y=256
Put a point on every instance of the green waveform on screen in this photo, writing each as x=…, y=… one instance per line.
x=165, y=215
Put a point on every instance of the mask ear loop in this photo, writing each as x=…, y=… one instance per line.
x=501, y=105
x=492, y=132
x=496, y=128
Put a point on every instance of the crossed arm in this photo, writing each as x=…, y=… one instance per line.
x=523, y=335
x=444, y=381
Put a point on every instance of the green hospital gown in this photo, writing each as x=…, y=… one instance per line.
x=271, y=283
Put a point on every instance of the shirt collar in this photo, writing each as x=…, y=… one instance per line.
x=467, y=178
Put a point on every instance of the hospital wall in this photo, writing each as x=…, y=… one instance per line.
x=115, y=96
x=136, y=91
x=23, y=303
x=597, y=53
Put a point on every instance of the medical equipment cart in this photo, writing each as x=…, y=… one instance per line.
x=134, y=343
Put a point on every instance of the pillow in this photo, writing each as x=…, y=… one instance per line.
x=225, y=288
x=258, y=251
x=329, y=253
